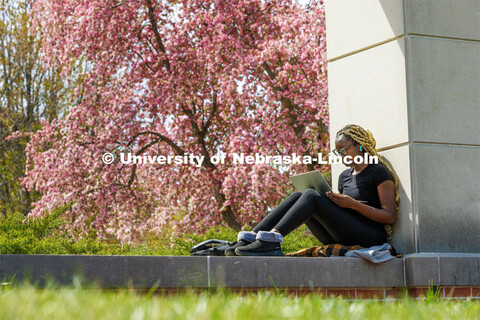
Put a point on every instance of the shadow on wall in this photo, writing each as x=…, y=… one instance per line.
x=403, y=229
x=390, y=8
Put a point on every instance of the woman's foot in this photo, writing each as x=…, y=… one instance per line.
x=231, y=251
x=260, y=248
x=266, y=244
x=244, y=238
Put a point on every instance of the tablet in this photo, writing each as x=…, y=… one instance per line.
x=313, y=179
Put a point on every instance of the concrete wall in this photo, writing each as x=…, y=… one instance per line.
x=415, y=270
x=409, y=70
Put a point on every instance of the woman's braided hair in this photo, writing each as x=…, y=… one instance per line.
x=365, y=138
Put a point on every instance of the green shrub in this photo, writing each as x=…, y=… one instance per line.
x=20, y=235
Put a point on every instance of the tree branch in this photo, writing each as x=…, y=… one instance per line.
x=158, y=39
x=140, y=56
x=269, y=71
x=212, y=114
x=160, y=138
x=134, y=168
x=117, y=5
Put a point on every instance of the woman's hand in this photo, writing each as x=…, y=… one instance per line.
x=341, y=200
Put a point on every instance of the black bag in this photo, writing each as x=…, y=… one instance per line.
x=212, y=247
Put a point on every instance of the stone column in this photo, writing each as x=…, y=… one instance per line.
x=409, y=70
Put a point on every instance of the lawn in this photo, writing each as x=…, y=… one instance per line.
x=26, y=302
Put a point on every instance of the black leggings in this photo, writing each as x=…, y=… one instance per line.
x=328, y=222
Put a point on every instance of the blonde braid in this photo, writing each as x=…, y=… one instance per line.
x=366, y=140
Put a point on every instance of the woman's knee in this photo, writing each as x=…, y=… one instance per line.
x=296, y=195
x=314, y=196
x=311, y=193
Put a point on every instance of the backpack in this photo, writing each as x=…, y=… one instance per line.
x=212, y=247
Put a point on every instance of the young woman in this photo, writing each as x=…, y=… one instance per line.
x=362, y=213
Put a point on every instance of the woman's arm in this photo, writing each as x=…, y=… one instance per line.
x=386, y=193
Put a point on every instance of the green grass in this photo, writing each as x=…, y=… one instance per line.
x=45, y=236
x=26, y=302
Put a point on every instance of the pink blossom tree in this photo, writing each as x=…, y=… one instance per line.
x=169, y=77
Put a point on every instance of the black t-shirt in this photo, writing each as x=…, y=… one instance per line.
x=363, y=186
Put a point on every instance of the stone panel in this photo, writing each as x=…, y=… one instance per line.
x=369, y=89
x=422, y=270
x=447, y=18
x=303, y=272
x=353, y=25
x=107, y=271
x=447, y=188
x=445, y=89
x=460, y=269
x=445, y=269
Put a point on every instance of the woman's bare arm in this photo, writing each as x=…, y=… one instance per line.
x=386, y=193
